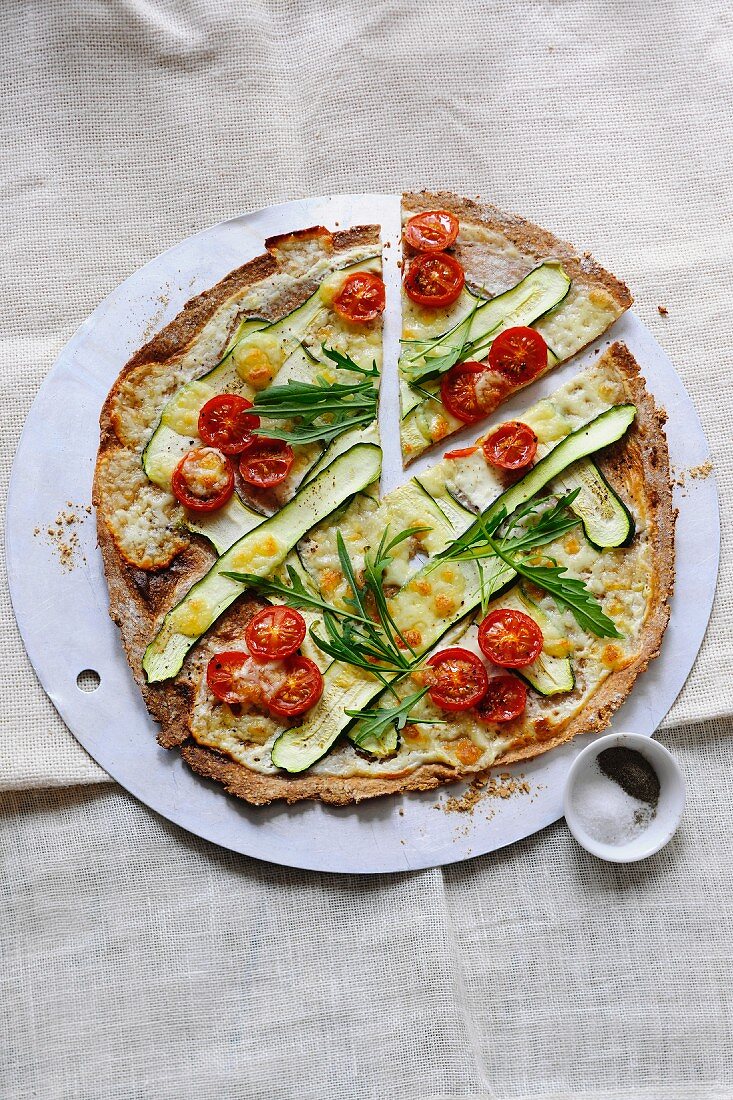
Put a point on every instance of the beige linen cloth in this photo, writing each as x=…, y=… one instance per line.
x=139, y=962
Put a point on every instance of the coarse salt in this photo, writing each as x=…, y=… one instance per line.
x=605, y=810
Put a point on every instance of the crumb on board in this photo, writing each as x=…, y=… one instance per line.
x=663, y=311
x=697, y=473
x=484, y=786
x=702, y=471
x=62, y=535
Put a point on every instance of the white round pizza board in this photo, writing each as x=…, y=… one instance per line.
x=62, y=613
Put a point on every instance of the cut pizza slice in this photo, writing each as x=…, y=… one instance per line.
x=490, y=302
x=249, y=392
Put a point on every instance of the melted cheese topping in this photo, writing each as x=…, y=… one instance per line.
x=145, y=521
x=191, y=618
x=182, y=412
x=258, y=556
x=206, y=472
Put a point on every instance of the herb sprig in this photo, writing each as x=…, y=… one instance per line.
x=486, y=541
x=294, y=594
x=321, y=410
x=431, y=358
x=378, y=646
x=378, y=722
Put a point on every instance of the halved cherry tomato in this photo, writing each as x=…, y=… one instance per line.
x=511, y=447
x=226, y=422
x=458, y=391
x=505, y=699
x=431, y=231
x=275, y=633
x=459, y=679
x=266, y=462
x=301, y=688
x=203, y=480
x=361, y=298
x=510, y=638
x=462, y=452
x=228, y=678
x=434, y=279
x=520, y=354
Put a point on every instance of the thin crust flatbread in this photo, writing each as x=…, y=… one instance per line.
x=142, y=591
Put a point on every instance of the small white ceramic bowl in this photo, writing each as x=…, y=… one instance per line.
x=671, y=803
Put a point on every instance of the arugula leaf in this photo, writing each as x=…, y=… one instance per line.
x=375, y=568
x=482, y=541
x=321, y=410
x=550, y=525
x=376, y=723
x=352, y=634
x=295, y=594
x=574, y=594
x=435, y=357
x=345, y=362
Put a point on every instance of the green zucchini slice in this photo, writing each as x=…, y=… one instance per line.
x=606, y=520
x=228, y=524
x=600, y=432
x=260, y=551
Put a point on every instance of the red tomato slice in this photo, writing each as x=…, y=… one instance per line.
x=266, y=462
x=434, y=279
x=203, y=480
x=510, y=639
x=505, y=699
x=511, y=447
x=458, y=391
x=520, y=354
x=226, y=422
x=275, y=633
x=431, y=231
x=458, y=679
x=462, y=452
x=361, y=298
x=301, y=688
x=228, y=678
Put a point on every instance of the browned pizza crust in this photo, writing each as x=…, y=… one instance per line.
x=140, y=595
x=641, y=456
x=533, y=242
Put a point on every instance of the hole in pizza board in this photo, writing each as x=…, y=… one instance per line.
x=88, y=680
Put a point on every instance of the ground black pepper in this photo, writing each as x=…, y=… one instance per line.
x=632, y=771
